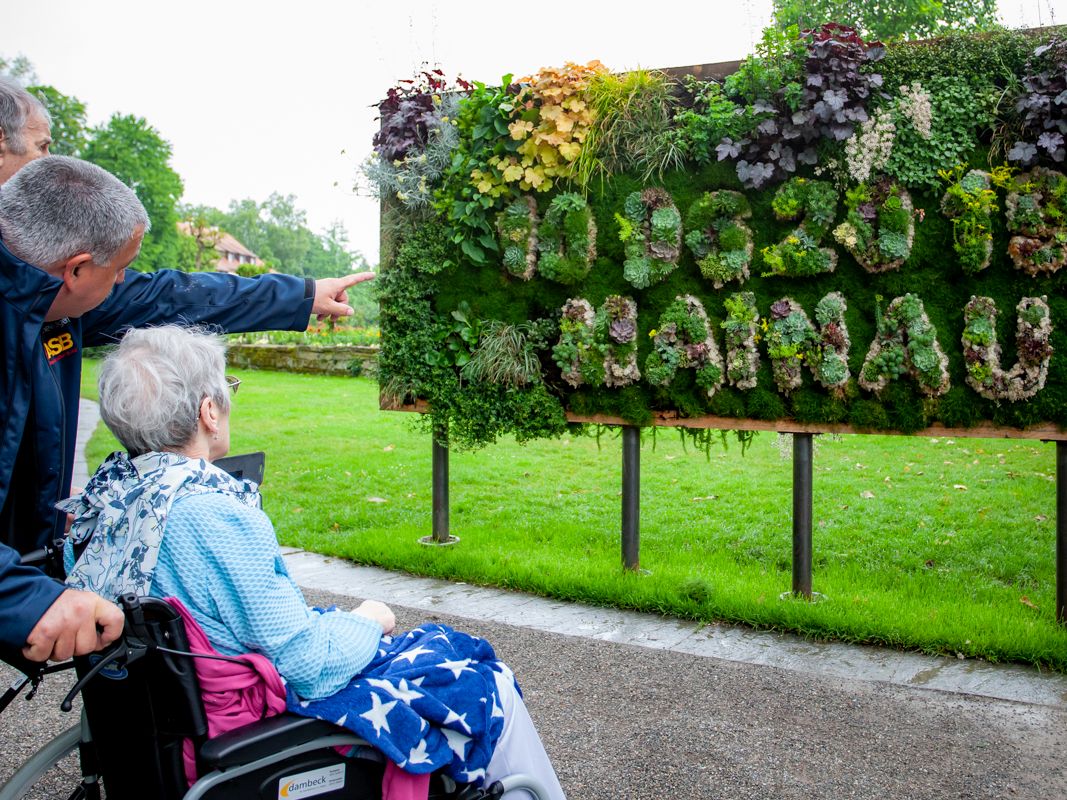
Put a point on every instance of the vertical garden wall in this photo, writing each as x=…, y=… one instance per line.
x=836, y=235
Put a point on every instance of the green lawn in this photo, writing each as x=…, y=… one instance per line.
x=936, y=544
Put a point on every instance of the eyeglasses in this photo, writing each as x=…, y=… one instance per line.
x=233, y=383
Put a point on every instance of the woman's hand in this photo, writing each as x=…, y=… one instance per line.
x=379, y=612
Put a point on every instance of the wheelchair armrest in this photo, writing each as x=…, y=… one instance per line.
x=263, y=738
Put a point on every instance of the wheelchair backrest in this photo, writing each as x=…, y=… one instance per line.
x=140, y=712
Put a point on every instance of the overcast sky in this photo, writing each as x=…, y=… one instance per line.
x=269, y=96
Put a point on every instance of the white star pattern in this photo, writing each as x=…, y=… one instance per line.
x=457, y=741
x=471, y=776
x=418, y=681
x=379, y=713
x=401, y=692
x=412, y=654
x=460, y=718
x=418, y=755
x=456, y=666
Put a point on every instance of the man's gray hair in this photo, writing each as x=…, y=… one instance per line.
x=152, y=384
x=57, y=207
x=16, y=107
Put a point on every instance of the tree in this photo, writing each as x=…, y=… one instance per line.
x=136, y=154
x=70, y=131
x=19, y=69
x=198, y=239
x=887, y=20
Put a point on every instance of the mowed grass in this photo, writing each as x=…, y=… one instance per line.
x=938, y=545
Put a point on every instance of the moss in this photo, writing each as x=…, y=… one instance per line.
x=957, y=408
x=811, y=406
x=727, y=403
x=904, y=408
x=868, y=415
x=764, y=404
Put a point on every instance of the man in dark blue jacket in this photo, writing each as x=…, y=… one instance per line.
x=64, y=289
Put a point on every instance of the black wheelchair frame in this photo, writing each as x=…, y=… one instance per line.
x=141, y=701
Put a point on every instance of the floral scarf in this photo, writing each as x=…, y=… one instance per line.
x=120, y=518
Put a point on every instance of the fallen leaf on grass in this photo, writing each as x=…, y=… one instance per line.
x=867, y=495
x=1026, y=601
x=298, y=510
x=1040, y=518
x=708, y=497
x=388, y=448
x=670, y=458
x=959, y=486
x=377, y=500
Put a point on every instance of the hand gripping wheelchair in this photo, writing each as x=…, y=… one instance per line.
x=141, y=700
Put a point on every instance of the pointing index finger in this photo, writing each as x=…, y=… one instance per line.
x=356, y=277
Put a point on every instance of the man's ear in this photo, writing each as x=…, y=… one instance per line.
x=71, y=267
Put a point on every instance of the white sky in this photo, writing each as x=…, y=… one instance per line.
x=269, y=96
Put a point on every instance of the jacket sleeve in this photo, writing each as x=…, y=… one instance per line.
x=25, y=594
x=236, y=305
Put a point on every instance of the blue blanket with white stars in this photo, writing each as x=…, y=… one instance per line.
x=428, y=700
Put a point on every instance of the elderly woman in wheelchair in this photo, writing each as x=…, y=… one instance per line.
x=161, y=521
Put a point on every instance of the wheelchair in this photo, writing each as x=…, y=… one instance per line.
x=141, y=700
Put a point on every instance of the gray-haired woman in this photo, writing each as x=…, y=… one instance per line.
x=163, y=521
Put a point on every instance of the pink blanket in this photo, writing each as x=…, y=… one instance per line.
x=236, y=695
x=233, y=694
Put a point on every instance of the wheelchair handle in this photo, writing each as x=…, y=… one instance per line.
x=133, y=646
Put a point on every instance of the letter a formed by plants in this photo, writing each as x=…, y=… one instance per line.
x=906, y=344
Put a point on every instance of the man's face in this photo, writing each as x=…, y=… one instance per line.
x=37, y=137
x=92, y=282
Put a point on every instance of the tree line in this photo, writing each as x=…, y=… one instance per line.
x=130, y=148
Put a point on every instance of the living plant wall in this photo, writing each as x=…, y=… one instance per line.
x=835, y=233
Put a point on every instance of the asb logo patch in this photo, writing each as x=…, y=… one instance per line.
x=59, y=347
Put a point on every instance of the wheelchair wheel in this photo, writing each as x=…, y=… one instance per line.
x=54, y=771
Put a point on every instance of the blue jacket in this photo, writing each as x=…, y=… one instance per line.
x=40, y=380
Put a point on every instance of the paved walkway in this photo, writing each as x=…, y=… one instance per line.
x=728, y=642
x=88, y=418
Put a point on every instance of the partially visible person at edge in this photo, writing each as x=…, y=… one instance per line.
x=63, y=289
x=161, y=520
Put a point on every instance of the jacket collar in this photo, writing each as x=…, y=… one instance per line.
x=25, y=287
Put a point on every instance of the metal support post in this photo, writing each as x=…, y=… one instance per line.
x=631, y=497
x=1061, y=531
x=802, y=446
x=440, y=489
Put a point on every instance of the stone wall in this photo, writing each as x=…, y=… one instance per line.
x=340, y=359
